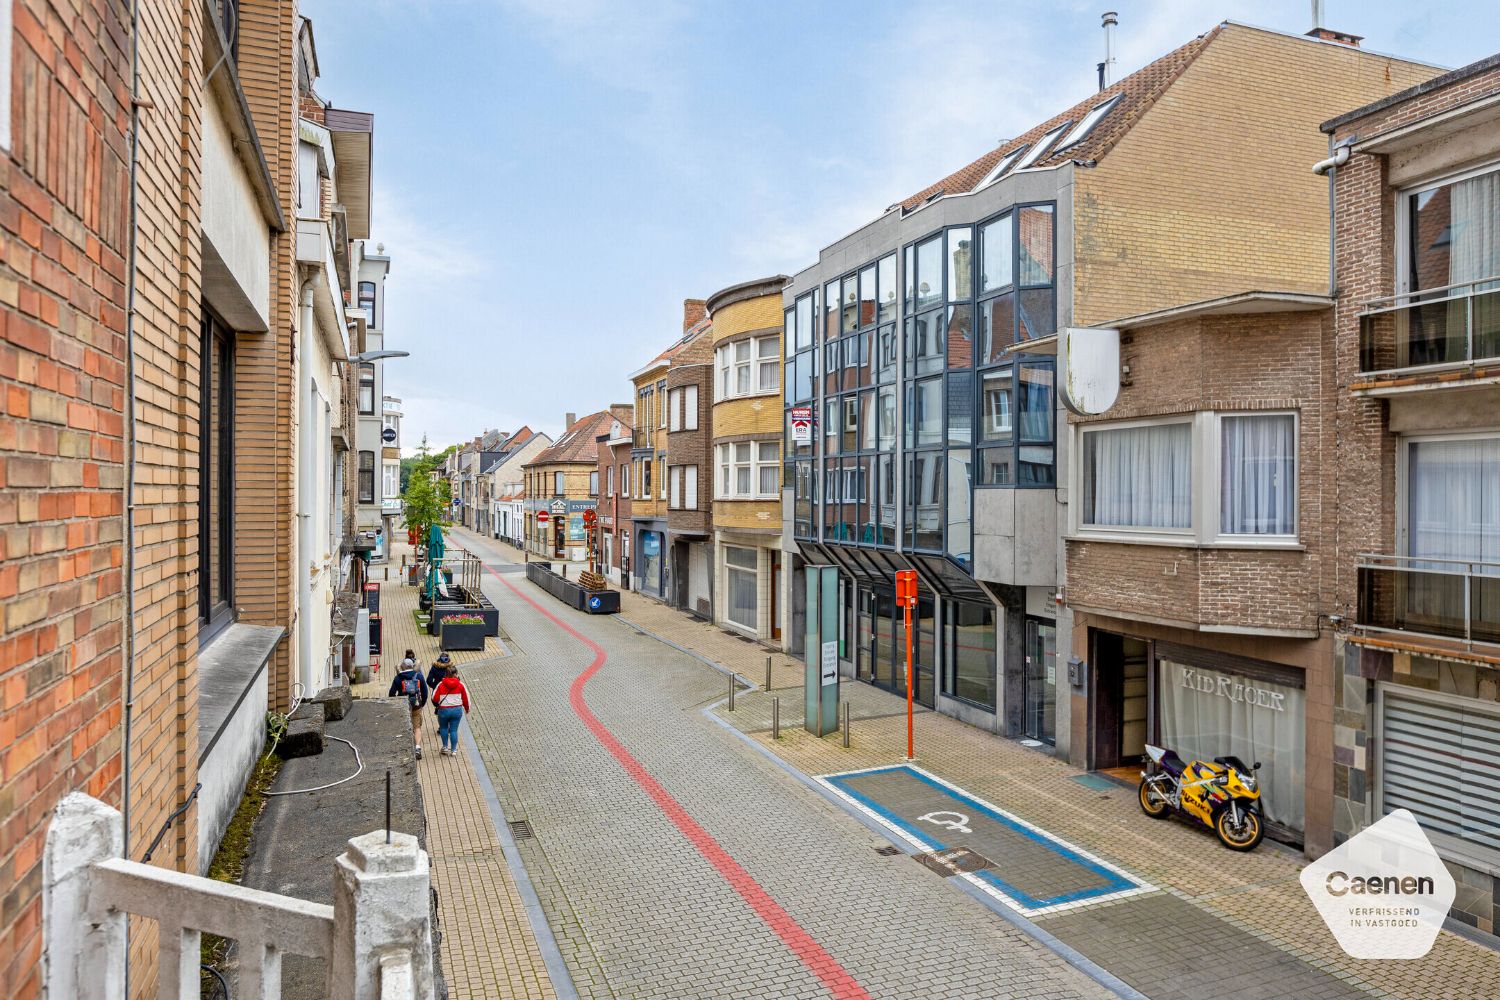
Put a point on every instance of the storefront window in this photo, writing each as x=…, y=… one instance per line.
x=1209, y=713
x=1039, y=682
x=740, y=570
x=651, y=562
x=969, y=631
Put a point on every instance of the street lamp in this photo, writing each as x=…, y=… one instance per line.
x=365, y=356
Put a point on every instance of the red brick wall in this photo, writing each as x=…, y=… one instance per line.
x=63, y=252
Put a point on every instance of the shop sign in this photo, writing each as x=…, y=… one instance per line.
x=830, y=664
x=1231, y=689
x=802, y=420
x=559, y=506
x=575, y=528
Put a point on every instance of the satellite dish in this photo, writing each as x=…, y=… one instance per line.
x=1088, y=369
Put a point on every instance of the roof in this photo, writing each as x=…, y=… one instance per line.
x=1425, y=87
x=1137, y=93
x=678, y=346
x=579, y=444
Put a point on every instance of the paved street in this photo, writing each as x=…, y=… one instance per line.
x=673, y=858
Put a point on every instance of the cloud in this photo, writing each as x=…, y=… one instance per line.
x=430, y=253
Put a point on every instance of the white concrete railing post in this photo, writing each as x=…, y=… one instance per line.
x=83, y=940
x=382, y=948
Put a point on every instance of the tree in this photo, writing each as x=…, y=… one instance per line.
x=424, y=503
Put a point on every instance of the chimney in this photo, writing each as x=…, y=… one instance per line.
x=693, y=311
x=1107, y=67
x=1323, y=34
x=569, y=419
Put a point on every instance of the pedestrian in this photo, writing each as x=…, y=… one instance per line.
x=408, y=681
x=451, y=699
x=438, y=670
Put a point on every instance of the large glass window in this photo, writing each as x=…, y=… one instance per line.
x=367, y=301
x=969, y=655
x=1138, y=477
x=1258, y=474
x=887, y=286
x=929, y=286
x=216, y=471
x=748, y=367
x=741, y=570
x=925, y=421
x=926, y=500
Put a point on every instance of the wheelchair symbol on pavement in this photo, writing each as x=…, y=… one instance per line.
x=955, y=821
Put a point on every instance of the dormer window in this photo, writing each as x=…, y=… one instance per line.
x=1002, y=166
x=1086, y=124
x=1043, y=145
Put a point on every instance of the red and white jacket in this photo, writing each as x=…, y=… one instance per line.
x=450, y=693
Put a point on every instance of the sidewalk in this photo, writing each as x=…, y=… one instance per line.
x=487, y=945
x=1250, y=904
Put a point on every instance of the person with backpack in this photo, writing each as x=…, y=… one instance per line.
x=451, y=699
x=408, y=681
x=438, y=670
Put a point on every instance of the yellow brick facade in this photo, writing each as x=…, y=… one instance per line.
x=1169, y=216
x=650, y=433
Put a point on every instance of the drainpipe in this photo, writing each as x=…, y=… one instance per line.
x=128, y=560
x=302, y=566
x=1337, y=158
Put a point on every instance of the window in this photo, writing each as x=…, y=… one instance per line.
x=216, y=471
x=740, y=570
x=661, y=397
x=558, y=484
x=683, y=403
x=661, y=463
x=1001, y=166
x=749, y=470
x=1041, y=147
x=594, y=483
x=1139, y=477
x=645, y=479
x=969, y=668
x=390, y=480
x=1087, y=122
x=748, y=367
x=684, y=489
x=1452, y=505
x=366, y=388
x=624, y=480
x=367, y=300
x=609, y=480
x=367, y=477
x=768, y=468
x=1258, y=475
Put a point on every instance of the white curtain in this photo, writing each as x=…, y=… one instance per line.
x=1207, y=714
x=1453, y=500
x=1139, y=477
x=1475, y=228
x=1258, y=478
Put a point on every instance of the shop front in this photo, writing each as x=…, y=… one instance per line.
x=1202, y=703
x=650, y=562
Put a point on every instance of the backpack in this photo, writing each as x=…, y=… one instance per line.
x=410, y=688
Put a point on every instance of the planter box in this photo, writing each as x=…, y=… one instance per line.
x=461, y=637
x=595, y=602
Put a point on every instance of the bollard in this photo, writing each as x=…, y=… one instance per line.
x=775, y=718
x=846, y=725
x=768, y=673
x=731, y=692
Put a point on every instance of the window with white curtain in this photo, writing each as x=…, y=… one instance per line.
x=1453, y=500
x=684, y=488
x=747, y=367
x=740, y=569
x=1258, y=474
x=1138, y=477
x=609, y=481
x=748, y=470
x=684, y=404
x=768, y=468
x=675, y=475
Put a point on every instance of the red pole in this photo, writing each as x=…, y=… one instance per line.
x=910, y=741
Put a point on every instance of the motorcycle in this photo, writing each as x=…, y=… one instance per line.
x=1223, y=795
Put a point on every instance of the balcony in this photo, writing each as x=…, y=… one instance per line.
x=1443, y=329
x=1445, y=599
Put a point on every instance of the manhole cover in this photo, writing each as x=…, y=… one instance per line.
x=888, y=851
x=521, y=829
x=954, y=861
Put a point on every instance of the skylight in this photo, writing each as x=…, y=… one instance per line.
x=1042, y=146
x=1001, y=167
x=1083, y=128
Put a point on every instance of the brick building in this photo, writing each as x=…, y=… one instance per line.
x=615, y=443
x=925, y=343
x=746, y=458
x=562, y=482
x=1416, y=359
x=653, y=571
x=688, y=467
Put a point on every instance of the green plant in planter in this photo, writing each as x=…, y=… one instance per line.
x=461, y=620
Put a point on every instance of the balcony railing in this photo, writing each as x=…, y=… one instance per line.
x=1450, y=326
x=1449, y=598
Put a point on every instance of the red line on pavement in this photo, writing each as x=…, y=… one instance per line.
x=821, y=964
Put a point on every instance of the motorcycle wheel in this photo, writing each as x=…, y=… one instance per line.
x=1249, y=834
x=1153, y=805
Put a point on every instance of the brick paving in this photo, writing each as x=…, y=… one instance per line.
x=638, y=912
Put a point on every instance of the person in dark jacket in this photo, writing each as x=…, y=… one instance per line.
x=438, y=671
x=408, y=681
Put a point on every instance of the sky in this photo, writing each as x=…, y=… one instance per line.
x=554, y=177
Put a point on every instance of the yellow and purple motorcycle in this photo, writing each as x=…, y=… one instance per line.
x=1223, y=795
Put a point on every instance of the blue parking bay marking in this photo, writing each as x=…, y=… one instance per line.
x=1031, y=871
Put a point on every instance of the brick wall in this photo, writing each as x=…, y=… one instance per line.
x=63, y=256
x=691, y=447
x=1212, y=191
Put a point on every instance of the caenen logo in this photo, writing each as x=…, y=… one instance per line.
x=1384, y=893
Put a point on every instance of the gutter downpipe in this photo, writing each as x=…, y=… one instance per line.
x=1337, y=158
x=128, y=560
x=305, y=476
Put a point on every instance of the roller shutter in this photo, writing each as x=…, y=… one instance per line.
x=1440, y=758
